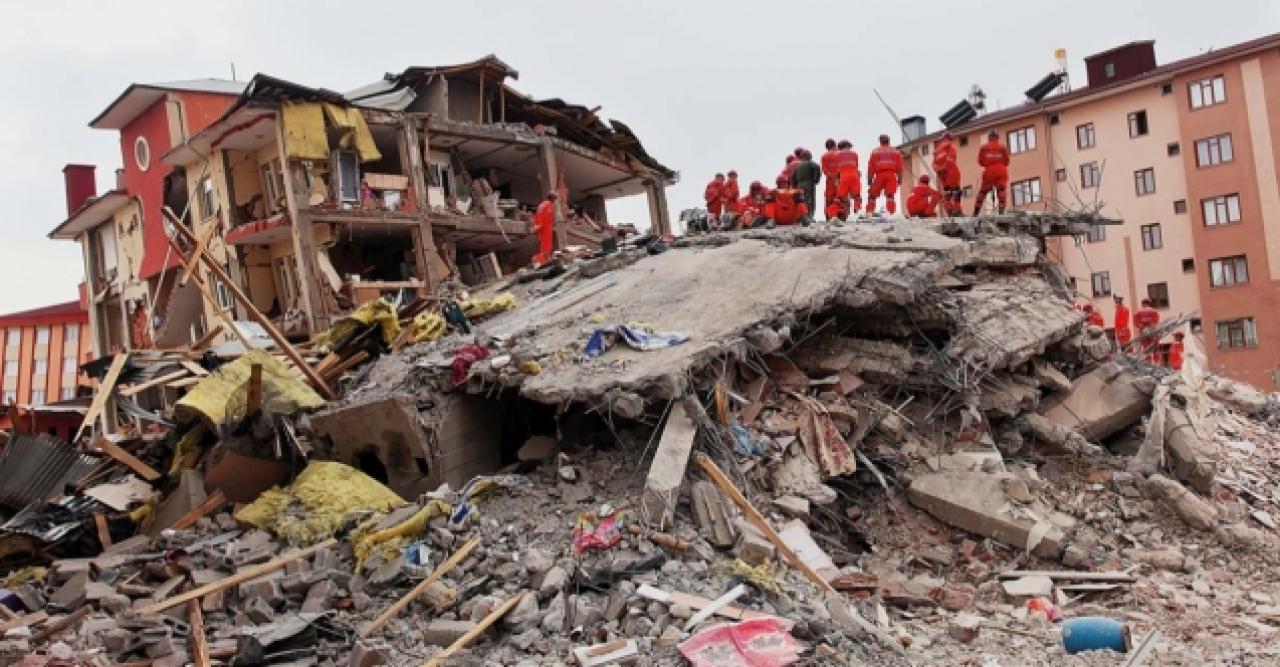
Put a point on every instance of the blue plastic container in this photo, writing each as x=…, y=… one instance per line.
x=1094, y=633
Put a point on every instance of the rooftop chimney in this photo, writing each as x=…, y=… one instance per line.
x=81, y=185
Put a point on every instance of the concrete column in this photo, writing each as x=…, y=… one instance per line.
x=659, y=217
x=97, y=330
x=550, y=177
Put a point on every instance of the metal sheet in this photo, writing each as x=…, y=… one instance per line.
x=37, y=468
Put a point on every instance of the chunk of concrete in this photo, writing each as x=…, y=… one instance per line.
x=1028, y=587
x=538, y=448
x=189, y=494
x=440, y=632
x=369, y=652
x=1194, y=510
x=1194, y=461
x=793, y=506
x=752, y=546
x=964, y=628
x=978, y=503
x=1100, y=403
x=666, y=473
x=711, y=513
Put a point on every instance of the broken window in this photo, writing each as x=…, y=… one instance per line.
x=1137, y=124
x=1237, y=333
x=1101, y=283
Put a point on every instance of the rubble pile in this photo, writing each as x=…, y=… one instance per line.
x=884, y=444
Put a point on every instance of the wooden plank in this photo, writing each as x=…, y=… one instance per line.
x=328, y=362
x=196, y=640
x=203, y=287
x=754, y=516
x=483, y=625
x=134, y=390
x=196, y=369
x=256, y=315
x=103, y=393
x=1069, y=574
x=61, y=624
x=347, y=364
x=207, y=338
x=184, y=382
x=189, y=269
x=210, y=505
x=237, y=578
x=253, y=402
x=118, y=453
x=104, y=534
x=400, y=605
x=25, y=621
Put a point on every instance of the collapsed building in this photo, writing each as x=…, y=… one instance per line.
x=854, y=443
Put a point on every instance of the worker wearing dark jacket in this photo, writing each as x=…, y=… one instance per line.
x=805, y=177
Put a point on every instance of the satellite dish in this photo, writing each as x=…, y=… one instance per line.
x=977, y=97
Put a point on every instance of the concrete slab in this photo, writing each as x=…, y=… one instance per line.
x=1099, y=404
x=666, y=473
x=979, y=504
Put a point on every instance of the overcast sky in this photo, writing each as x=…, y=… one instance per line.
x=706, y=86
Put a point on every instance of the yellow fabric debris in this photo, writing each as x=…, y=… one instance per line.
x=304, y=131
x=24, y=575
x=428, y=327
x=388, y=542
x=327, y=498
x=224, y=393
x=530, y=367
x=350, y=118
x=476, y=308
x=187, y=451
x=143, y=512
x=598, y=318
x=371, y=312
x=764, y=576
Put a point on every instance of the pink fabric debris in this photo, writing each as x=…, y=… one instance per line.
x=759, y=642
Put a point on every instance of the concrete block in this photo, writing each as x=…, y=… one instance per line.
x=189, y=494
x=978, y=503
x=1099, y=404
x=1194, y=461
x=752, y=546
x=440, y=632
x=1028, y=587
x=666, y=473
x=259, y=611
x=964, y=628
x=318, y=596
x=793, y=506
x=367, y=653
x=712, y=514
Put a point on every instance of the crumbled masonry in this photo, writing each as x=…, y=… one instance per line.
x=921, y=454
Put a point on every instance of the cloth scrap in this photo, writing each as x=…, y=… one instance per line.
x=463, y=359
x=759, y=642
x=636, y=338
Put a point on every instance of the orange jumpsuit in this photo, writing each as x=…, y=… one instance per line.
x=1175, y=355
x=714, y=196
x=729, y=193
x=993, y=157
x=1144, y=321
x=828, y=164
x=1095, y=320
x=948, y=171
x=544, y=223
x=836, y=208
x=922, y=202
x=885, y=167
x=1123, y=333
x=850, y=180
x=787, y=206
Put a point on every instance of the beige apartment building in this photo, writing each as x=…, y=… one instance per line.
x=1184, y=153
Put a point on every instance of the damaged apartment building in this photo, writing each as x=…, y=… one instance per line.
x=318, y=201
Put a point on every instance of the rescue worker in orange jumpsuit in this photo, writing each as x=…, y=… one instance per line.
x=948, y=171
x=836, y=209
x=752, y=204
x=714, y=196
x=1092, y=317
x=922, y=201
x=884, y=171
x=729, y=195
x=993, y=157
x=1176, y=350
x=828, y=164
x=791, y=166
x=544, y=223
x=1121, y=322
x=1145, y=321
x=785, y=206
x=849, y=180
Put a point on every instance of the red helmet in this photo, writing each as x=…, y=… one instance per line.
x=884, y=138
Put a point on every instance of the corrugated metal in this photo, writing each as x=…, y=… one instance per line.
x=36, y=468
x=51, y=522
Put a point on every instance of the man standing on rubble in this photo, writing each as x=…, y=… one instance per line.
x=1176, y=350
x=849, y=185
x=993, y=157
x=1120, y=320
x=805, y=177
x=948, y=171
x=922, y=201
x=884, y=171
x=714, y=196
x=828, y=164
x=544, y=223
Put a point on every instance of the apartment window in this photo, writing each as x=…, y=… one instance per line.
x=1097, y=233
x=1166, y=88
x=1221, y=210
x=68, y=393
x=1207, y=92
x=1025, y=192
x=37, y=397
x=1180, y=206
x=68, y=364
x=1158, y=293
x=1213, y=150
x=42, y=335
x=1144, y=181
x=268, y=187
x=1023, y=140
x=1173, y=148
x=1090, y=175
x=10, y=396
x=1101, y=283
x=205, y=191
x=1188, y=265
x=1228, y=271
x=1237, y=333
x=11, y=368
x=1109, y=69
x=142, y=153
x=1054, y=119
x=41, y=367
x=1085, y=136
x=1060, y=175
x=14, y=337
x=1151, y=237
x=71, y=332
x=1137, y=124
x=222, y=294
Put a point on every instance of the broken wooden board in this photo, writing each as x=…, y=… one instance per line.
x=102, y=393
x=116, y=452
x=666, y=473
x=1069, y=575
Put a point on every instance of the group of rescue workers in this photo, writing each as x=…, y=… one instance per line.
x=794, y=198
x=1146, y=320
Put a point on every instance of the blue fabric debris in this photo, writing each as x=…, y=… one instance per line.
x=605, y=337
x=742, y=442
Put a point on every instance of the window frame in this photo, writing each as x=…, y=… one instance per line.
x=1103, y=276
x=1093, y=169
x=43, y=334
x=13, y=337
x=70, y=333
x=1140, y=117
x=40, y=367
x=1097, y=233
x=37, y=397
x=1234, y=265
x=1031, y=184
x=67, y=393
x=1215, y=143
x=1092, y=135
x=1152, y=236
x=205, y=193
x=1223, y=206
x=1248, y=330
x=9, y=397
x=11, y=364
x=1026, y=140
x=1217, y=87
x=1156, y=301
x=69, y=361
x=1142, y=178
